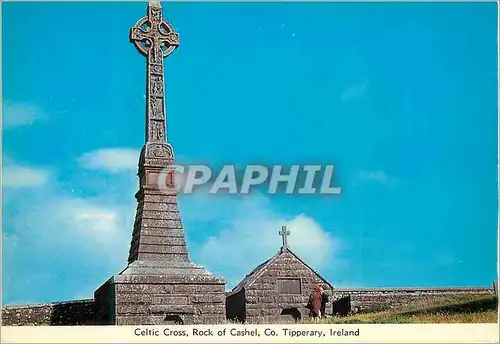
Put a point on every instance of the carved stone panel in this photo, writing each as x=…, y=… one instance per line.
x=155, y=15
x=156, y=162
x=156, y=108
x=157, y=53
x=157, y=69
x=156, y=150
x=157, y=131
x=156, y=85
x=289, y=286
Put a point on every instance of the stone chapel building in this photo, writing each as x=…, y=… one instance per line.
x=279, y=288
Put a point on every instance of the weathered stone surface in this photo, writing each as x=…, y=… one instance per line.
x=192, y=289
x=145, y=296
x=199, y=282
x=157, y=240
x=161, y=272
x=80, y=312
x=163, y=249
x=211, y=309
x=283, y=283
x=164, y=232
x=140, y=320
x=170, y=206
x=251, y=299
x=383, y=298
x=127, y=289
x=291, y=299
x=266, y=286
x=159, y=215
x=165, y=256
x=168, y=309
x=267, y=299
x=161, y=223
x=204, y=319
x=162, y=198
x=262, y=312
x=207, y=298
x=151, y=299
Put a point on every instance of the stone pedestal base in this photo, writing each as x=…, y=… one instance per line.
x=160, y=293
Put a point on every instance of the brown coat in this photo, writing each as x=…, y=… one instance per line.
x=315, y=300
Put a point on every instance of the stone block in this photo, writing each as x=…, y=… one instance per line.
x=292, y=299
x=140, y=320
x=163, y=249
x=144, y=288
x=161, y=240
x=162, y=198
x=160, y=206
x=252, y=299
x=192, y=289
x=211, y=309
x=161, y=223
x=177, y=309
x=267, y=299
x=207, y=298
x=149, y=299
x=163, y=232
x=160, y=215
x=204, y=319
x=162, y=256
x=262, y=286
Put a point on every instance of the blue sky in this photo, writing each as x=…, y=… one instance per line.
x=401, y=98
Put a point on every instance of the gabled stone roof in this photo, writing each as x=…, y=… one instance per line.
x=259, y=270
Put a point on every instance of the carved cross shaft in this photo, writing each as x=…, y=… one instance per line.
x=156, y=39
x=284, y=234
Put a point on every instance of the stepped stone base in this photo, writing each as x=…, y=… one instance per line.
x=160, y=293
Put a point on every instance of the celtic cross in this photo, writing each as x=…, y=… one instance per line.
x=284, y=234
x=156, y=39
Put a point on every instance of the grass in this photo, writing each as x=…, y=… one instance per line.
x=460, y=309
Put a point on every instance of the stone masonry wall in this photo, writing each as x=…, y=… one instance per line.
x=262, y=299
x=384, y=298
x=80, y=312
x=148, y=304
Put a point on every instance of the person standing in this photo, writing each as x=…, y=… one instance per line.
x=314, y=303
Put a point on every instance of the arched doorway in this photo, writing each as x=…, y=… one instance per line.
x=173, y=319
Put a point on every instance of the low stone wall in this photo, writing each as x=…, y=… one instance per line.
x=83, y=312
x=79, y=312
x=363, y=299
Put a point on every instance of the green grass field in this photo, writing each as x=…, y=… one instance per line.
x=460, y=309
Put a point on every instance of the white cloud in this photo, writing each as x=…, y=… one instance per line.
x=18, y=114
x=75, y=242
x=92, y=220
x=379, y=176
x=354, y=91
x=68, y=226
x=15, y=176
x=86, y=239
x=375, y=176
x=251, y=237
x=110, y=159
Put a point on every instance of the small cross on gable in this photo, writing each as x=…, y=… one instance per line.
x=284, y=234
